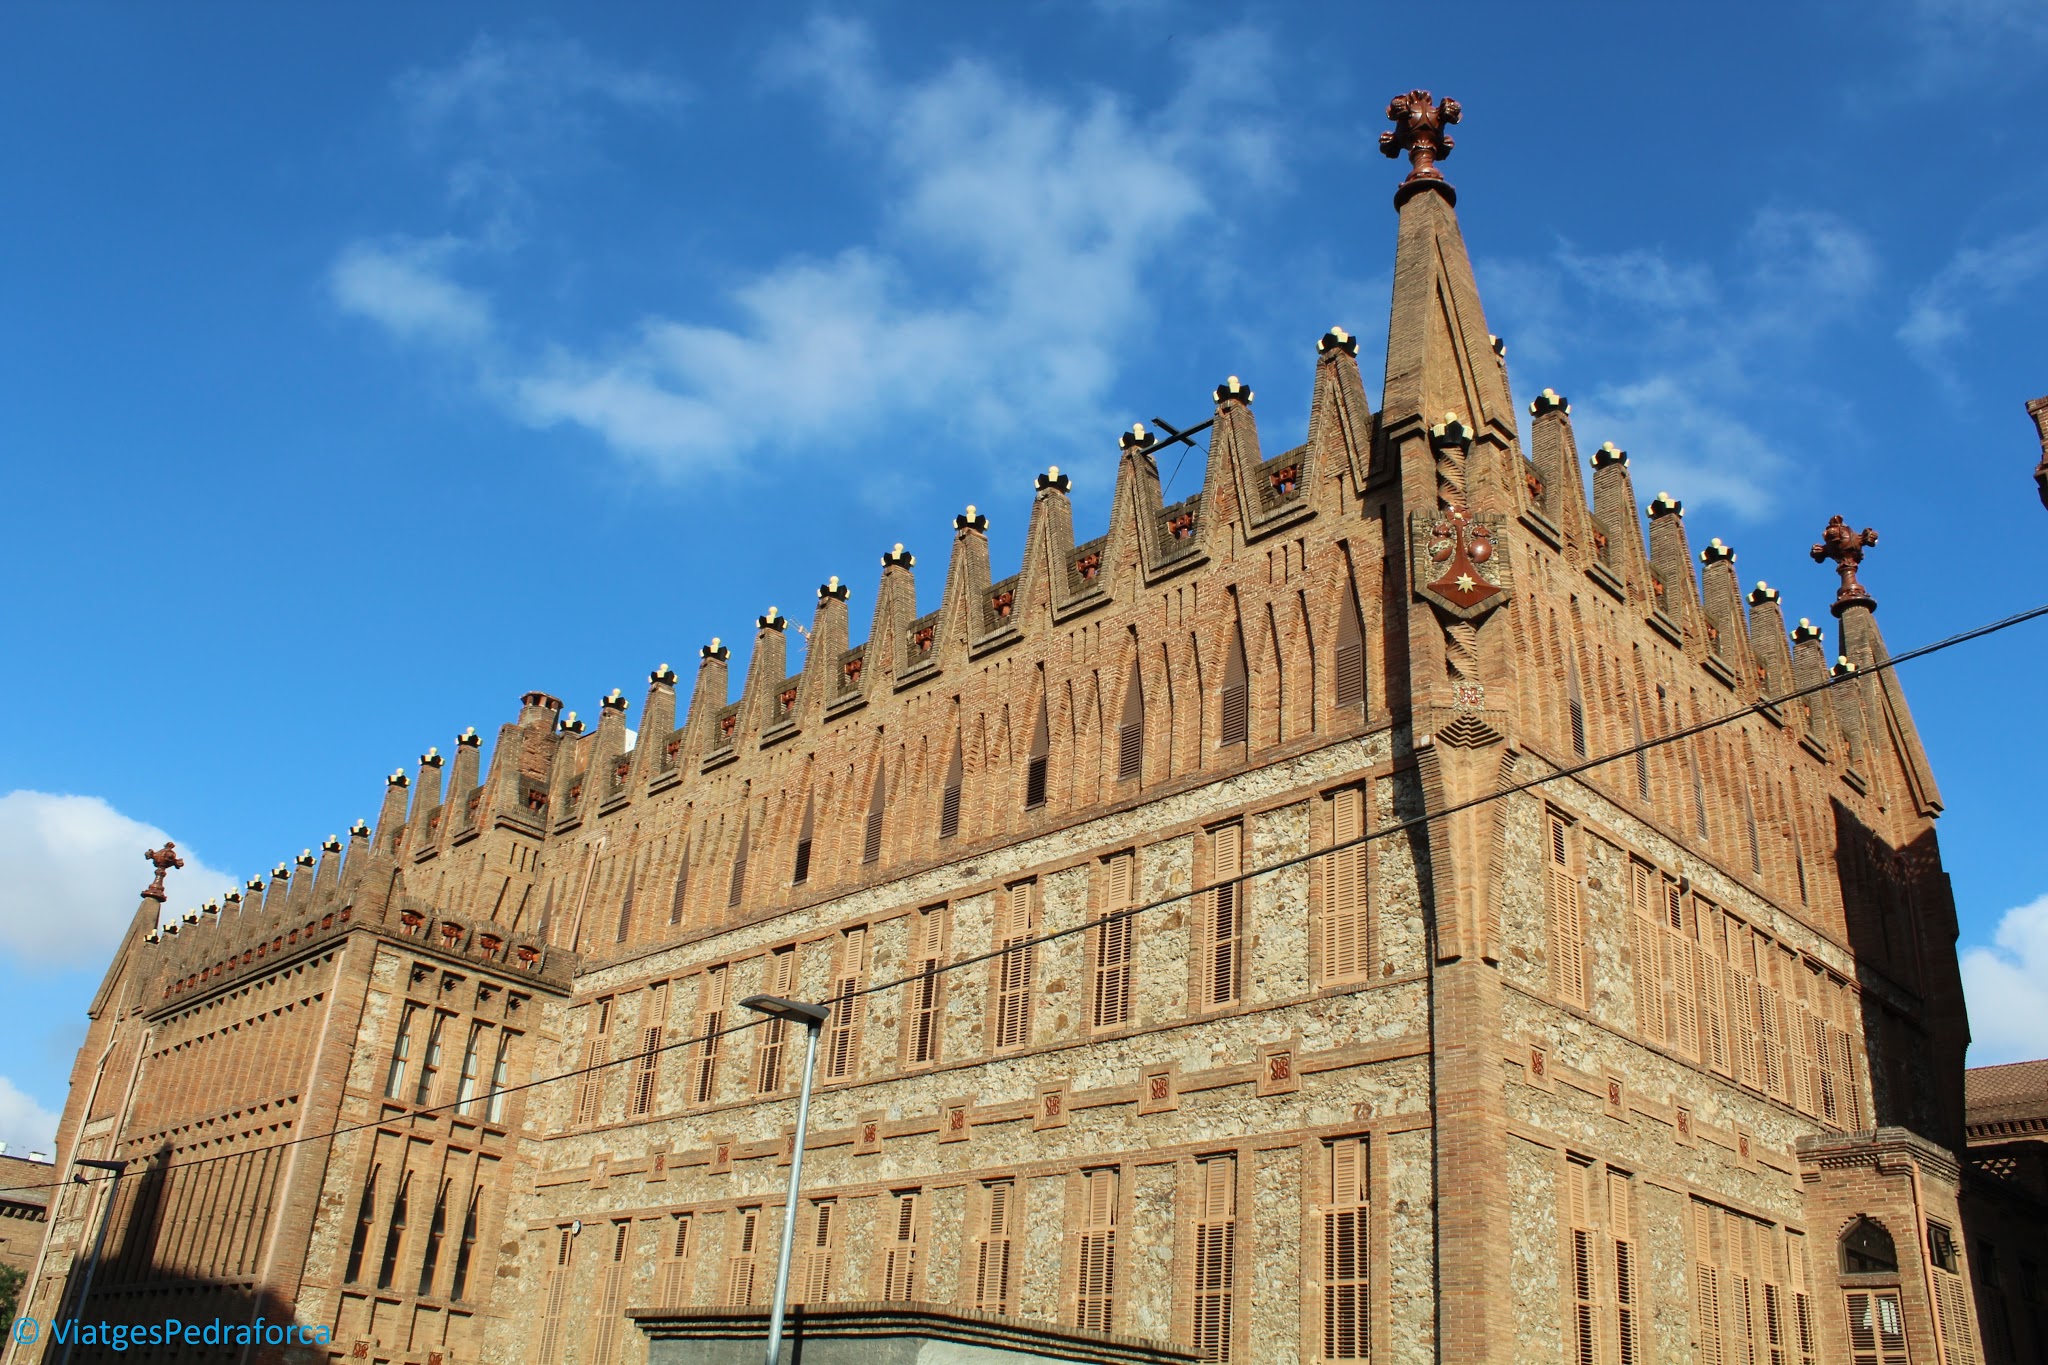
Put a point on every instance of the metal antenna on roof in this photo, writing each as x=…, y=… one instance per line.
x=1175, y=434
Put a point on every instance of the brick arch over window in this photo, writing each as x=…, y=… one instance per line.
x=1866, y=1248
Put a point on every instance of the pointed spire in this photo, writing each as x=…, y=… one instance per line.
x=1135, y=539
x=1230, y=498
x=1672, y=587
x=708, y=697
x=1554, y=448
x=967, y=584
x=1617, y=534
x=887, y=652
x=426, y=793
x=1043, y=583
x=391, y=817
x=1721, y=611
x=765, y=671
x=1340, y=418
x=462, y=782
x=825, y=652
x=1862, y=649
x=1440, y=355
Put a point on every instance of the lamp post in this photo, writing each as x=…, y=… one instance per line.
x=115, y=1168
x=812, y=1017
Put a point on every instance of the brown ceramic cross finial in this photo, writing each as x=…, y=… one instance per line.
x=164, y=859
x=1845, y=547
x=1421, y=129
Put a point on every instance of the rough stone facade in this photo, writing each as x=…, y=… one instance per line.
x=1596, y=1070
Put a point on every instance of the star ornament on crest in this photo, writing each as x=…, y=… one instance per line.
x=1458, y=564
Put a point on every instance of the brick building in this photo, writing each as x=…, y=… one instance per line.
x=1658, y=1060
x=24, y=1207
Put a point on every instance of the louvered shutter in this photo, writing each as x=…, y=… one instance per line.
x=1346, y=915
x=1346, y=1255
x=1567, y=929
x=899, y=1271
x=1095, y=1299
x=1014, y=968
x=843, y=1041
x=992, y=1269
x=1222, y=966
x=1112, y=993
x=1216, y=1258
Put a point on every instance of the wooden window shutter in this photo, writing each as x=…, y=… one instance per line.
x=611, y=1296
x=1222, y=965
x=647, y=1065
x=1216, y=1258
x=554, y=1299
x=871, y=838
x=1130, y=730
x=1347, y=923
x=1041, y=756
x=736, y=892
x=1236, y=691
x=1095, y=1288
x=801, y=873
x=821, y=1251
x=1347, y=1281
x=1575, y=702
x=1803, y=1334
x=1628, y=1304
x=1349, y=686
x=922, y=1040
x=992, y=1267
x=1647, y=939
x=1015, y=968
x=710, y=1020
x=1567, y=928
x=949, y=795
x=842, y=1041
x=1581, y=1274
x=670, y=1283
x=739, y=1268
x=900, y=1268
x=1112, y=983
x=1706, y=1285
x=779, y=978
x=1681, y=998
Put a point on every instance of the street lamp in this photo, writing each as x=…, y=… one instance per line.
x=114, y=1168
x=812, y=1017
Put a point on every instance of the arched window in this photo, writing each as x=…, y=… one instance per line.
x=1867, y=1249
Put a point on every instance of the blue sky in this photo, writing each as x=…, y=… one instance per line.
x=363, y=367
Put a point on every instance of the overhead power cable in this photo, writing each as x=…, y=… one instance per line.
x=1132, y=912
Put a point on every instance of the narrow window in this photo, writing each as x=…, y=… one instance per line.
x=675, y=1264
x=738, y=890
x=501, y=1067
x=899, y=1267
x=1699, y=792
x=928, y=939
x=1035, y=765
x=1347, y=916
x=394, y=1079
x=430, y=1063
x=779, y=979
x=625, y=928
x=710, y=1020
x=1647, y=941
x=1236, y=690
x=1095, y=1290
x=1130, y=730
x=1016, y=967
x=821, y=1251
x=1877, y=1328
x=682, y=892
x=842, y=1035
x=1224, y=936
x=611, y=1296
x=739, y=1266
x=1216, y=1257
x=394, y=1234
x=1803, y=1335
x=465, y=1251
x=992, y=1257
x=647, y=1064
x=365, y=1213
x=437, y=1231
x=557, y=1297
x=1582, y=1302
x=1112, y=966
x=1350, y=680
x=1951, y=1297
x=1628, y=1302
x=1347, y=1254
x=801, y=873
x=597, y=1052
x=472, y=1070
x=949, y=796
x=871, y=841
x=1567, y=929
x=1575, y=701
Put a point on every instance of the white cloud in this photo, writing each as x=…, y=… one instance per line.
x=25, y=1126
x=1690, y=352
x=74, y=874
x=399, y=285
x=1938, y=317
x=2006, y=986
x=1017, y=236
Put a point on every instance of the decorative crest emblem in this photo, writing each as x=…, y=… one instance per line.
x=1458, y=564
